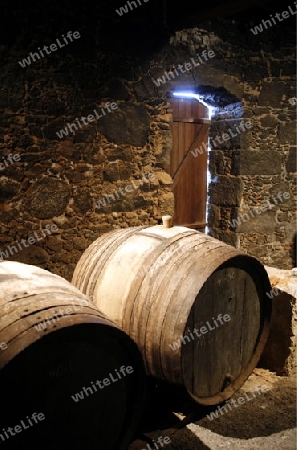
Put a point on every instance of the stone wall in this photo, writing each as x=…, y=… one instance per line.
x=279, y=354
x=251, y=86
x=61, y=180
x=117, y=159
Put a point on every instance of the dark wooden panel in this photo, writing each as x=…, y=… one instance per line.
x=190, y=184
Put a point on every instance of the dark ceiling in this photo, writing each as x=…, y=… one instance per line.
x=189, y=13
x=146, y=27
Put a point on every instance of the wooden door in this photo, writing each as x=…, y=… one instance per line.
x=189, y=173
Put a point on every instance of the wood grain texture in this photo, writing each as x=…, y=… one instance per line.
x=189, y=173
x=42, y=367
x=160, y=283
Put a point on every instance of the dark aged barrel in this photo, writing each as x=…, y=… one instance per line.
x=195, y=306
x=62, y=359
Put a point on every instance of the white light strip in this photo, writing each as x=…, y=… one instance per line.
x=186, y=94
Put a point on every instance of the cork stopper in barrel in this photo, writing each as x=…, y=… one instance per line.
x=167, y=221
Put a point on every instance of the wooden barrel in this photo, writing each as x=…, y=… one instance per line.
x=195, y=306
x=61, y=358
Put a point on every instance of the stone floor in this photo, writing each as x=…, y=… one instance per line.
x=263, y=420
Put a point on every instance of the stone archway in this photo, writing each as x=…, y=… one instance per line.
x=251, y=168
x=197, y=63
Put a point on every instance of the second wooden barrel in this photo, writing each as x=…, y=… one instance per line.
x=195, y=306
x=69, y=378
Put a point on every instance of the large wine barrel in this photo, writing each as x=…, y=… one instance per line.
x=195, y=306
x=61, y=358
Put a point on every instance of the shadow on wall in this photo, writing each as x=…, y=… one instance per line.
x=278, y=348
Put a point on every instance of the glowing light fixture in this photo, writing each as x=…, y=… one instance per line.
x=187, y=94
